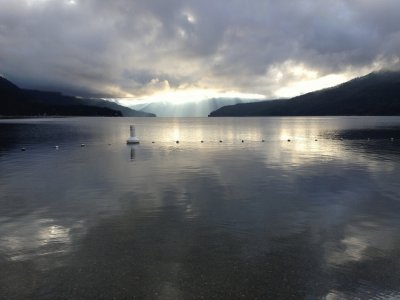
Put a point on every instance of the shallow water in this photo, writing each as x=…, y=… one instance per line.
x=315, y=217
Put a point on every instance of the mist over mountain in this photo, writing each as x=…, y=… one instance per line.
x=20, y=102
x=187, y=109
x=377, y=93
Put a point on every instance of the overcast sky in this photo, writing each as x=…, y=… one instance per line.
x=192, y=48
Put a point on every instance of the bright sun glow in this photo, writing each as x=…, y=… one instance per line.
x=292, y=78
x=308, y=85
x=188, y=95
x=288, y=79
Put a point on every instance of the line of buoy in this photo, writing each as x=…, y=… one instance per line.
x=56, y=147
x=202, y=141
x=134, y=140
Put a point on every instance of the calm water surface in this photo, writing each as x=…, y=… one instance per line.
x=314, y=218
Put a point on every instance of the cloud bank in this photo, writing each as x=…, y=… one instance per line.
x=132, y=48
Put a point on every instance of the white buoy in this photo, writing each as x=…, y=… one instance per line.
x=132, y=139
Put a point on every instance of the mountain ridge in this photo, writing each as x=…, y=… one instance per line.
x=377, y=93
x=15, y=101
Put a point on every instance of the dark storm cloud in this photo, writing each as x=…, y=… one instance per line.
x=101, y=47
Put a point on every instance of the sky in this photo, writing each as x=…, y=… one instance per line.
x=176, y=50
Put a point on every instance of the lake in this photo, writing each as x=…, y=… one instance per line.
x=264, y=208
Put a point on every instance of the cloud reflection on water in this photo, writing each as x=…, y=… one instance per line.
x=289, y=220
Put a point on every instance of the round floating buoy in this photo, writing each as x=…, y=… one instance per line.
x=288, y=140
x=262, y=141
x=56, y=147
x=23, y=149
x=242, y=141
x=201, y=141
x=83, y=145
x=220, y=141
x=152, y=142
x=316, y=140
x=177, y=142
x=392, y=139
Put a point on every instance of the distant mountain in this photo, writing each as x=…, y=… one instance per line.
x=126, y=111
x=19, y=102
x=187, y=109
x=7, y=86
x=377, y=93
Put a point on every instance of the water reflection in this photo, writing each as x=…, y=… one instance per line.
x=133, y=153
x=305, y=219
